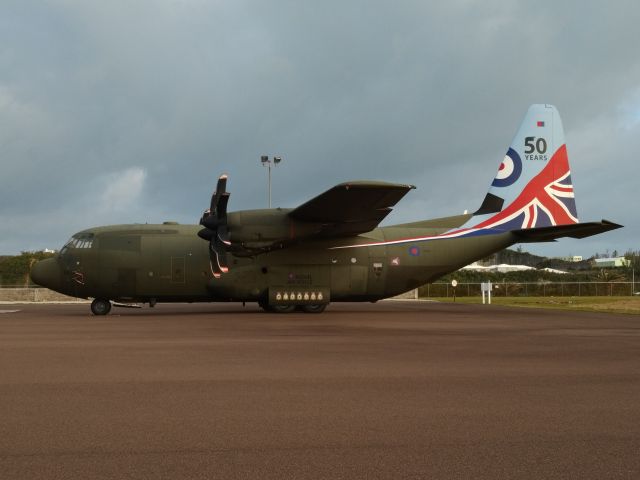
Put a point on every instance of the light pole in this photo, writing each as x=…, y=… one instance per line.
x=266, y=161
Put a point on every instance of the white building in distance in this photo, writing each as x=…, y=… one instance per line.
x=613, y=262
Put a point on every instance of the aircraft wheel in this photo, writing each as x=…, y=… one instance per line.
x=281, y=308
x=100, y=306
x=316, y=308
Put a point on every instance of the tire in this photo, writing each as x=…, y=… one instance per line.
x=278, y=308
x=264, y=306
x=315, y=308
x=100, y=306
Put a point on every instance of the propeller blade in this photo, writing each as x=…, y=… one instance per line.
x=210, y=222
x=223, y=234
x=214, y=272
x=216, y=231
x=221, y=256
x=217, y=260
x=221, y=210
x=221, y=188
x=222, y=262
x=222, y=183
x=206, y=234
x=213, y=262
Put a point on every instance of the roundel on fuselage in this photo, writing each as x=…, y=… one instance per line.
x=509, y=171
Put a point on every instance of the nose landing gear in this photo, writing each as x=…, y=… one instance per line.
x=100, y=306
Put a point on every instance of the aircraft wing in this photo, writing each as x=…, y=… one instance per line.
x=351, y=208
x=576, y=230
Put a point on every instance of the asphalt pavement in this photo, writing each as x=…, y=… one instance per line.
x=387, y=390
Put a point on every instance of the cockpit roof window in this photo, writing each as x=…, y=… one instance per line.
x=80, y=240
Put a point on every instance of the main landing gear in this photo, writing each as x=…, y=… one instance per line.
x=314, y=308
x=100, y=306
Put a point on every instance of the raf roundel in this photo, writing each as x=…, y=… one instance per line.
x=509, y=171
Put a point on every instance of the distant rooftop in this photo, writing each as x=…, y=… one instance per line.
x=612, y=262
x=504, y=268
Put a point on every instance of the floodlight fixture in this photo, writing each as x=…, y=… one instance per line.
x=264, y=159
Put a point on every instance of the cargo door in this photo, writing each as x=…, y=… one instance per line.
x=358, y=280
x=348, y=281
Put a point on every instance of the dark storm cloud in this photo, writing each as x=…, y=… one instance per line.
x=128, y=111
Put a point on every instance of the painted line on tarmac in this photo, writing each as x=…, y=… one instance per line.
x=9, y=311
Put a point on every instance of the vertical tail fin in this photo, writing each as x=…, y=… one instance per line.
x=533, y=185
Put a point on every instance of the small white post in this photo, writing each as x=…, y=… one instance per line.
x=486, y=287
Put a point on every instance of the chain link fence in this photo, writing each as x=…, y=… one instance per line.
x=533, y=289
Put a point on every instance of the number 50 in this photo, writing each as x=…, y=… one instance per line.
x=531, y=144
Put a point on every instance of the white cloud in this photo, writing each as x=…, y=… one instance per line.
x=111, y=198
x=629, y=111
x=122, y=190
x=169, y=94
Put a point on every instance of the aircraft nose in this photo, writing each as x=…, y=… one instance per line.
x=46, y=273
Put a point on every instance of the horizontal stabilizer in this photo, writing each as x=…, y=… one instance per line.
x=576, y=230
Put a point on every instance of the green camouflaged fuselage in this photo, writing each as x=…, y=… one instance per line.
x=166, y=263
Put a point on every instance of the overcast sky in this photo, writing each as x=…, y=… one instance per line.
x=127, y=111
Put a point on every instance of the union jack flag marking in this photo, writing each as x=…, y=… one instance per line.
x=547, y=200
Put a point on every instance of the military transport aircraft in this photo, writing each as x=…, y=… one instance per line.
x=329, y=249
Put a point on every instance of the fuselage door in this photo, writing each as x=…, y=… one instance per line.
x=377, y=275
x=177, y=270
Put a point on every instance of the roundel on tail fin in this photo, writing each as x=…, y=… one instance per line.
x=509, y=171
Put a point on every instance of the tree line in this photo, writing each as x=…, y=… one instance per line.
x=14, y=269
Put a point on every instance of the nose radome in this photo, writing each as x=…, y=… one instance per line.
x=46, y=273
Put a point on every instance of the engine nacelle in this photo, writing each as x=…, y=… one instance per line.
x=267, y=229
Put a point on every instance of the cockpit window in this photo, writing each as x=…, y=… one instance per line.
x=80, y=240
